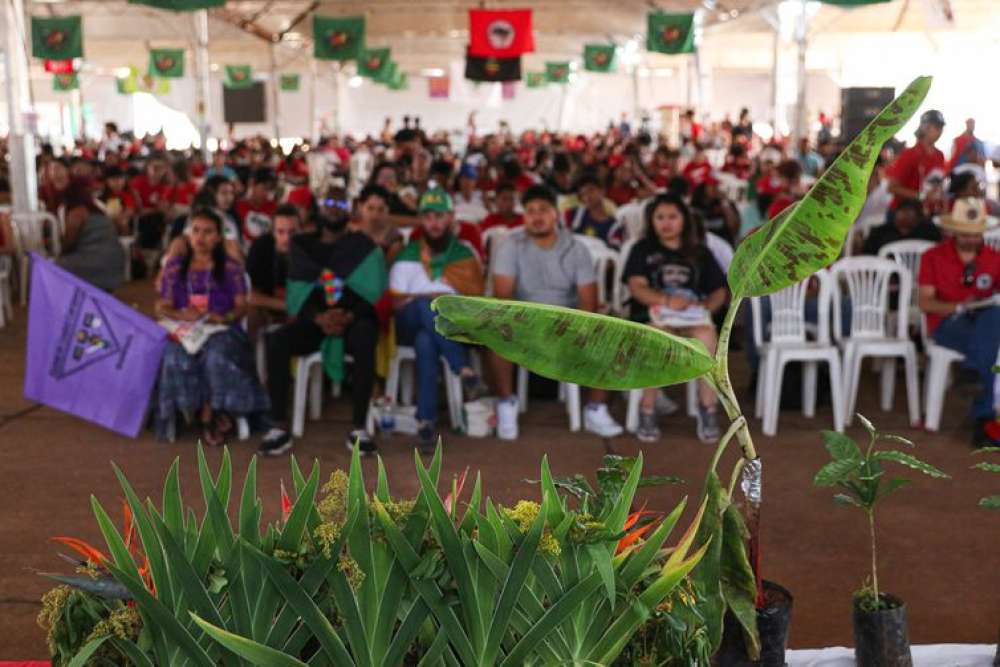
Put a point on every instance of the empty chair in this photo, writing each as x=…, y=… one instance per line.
x=785, y=339
x=31, y=230
x=867, y=281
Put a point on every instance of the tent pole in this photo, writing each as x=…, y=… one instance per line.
x=21, y=140
x=275, y=97
x=203, y=89
x=313, y=116
x=775, y=96
x=799, y=126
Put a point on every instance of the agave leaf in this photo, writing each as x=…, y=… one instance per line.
x=572, y=345
x=810, y=234
x=83, y=656
x=255, y=653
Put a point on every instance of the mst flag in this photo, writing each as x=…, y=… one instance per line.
x=180, y=5
x=458, y=265
x=400, y=82
x=338, y=38
x=289, y=83
x=65, y=82
x=388, y=74
x=492, y=69
x=89, y=354
x=500, y=33
x=670, y=33
x=557, y=72
x=599, y=57
x=536, y=79
x=57, y=37
x=166, y=63
x=373, y=61
x=238, y=76
x=353, y=269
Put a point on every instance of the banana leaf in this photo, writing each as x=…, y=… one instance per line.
x=571, y=345
x=809, y=235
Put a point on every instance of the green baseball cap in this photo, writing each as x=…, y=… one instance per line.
x=437, y=200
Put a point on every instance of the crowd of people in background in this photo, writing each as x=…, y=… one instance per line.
x=339, y=248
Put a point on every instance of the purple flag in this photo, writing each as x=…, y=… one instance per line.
x=89, y=354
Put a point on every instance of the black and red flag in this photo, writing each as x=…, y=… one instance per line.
x=492, y=69
x=500, y=33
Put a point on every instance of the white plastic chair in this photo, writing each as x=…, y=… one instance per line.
x=786, y=340
x=605, y=259
x=309, y=389
x=936, y=376
x=6, y=300
x=908, y=253
x=492, y=238
x=733, y=187
x=621, y=293
x=992, y=238
x=29, y=236
x=401, y=380
x=867, y=280
x=126, y=243
x=635, y=397
x=568, y=393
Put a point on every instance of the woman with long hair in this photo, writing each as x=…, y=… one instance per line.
x=218, y=382
x=676, y=285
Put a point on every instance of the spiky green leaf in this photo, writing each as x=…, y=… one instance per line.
x=910, y=461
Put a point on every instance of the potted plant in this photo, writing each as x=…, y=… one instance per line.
x=608, y=353
x=990, y=503
x=880, y=631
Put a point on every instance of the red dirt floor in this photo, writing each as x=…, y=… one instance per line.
x=938, y=550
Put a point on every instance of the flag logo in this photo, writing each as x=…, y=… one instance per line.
x=374, y=63
x=164, y=63
x=492, y=67
x=87, y=338
x=238, y=75
x=501, y=34
x=671, y=34
x=65, y=80
x=55, y=38
x=339, y=38
x=558, y=72
x=601, y=58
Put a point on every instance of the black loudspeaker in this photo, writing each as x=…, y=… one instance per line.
x=244, y=105
x=859, y=106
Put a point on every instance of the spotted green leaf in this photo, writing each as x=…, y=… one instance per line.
x=911, y=462
x=571, y=345
x=808, y=236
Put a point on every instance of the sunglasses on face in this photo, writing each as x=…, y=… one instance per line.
x=342, y=204
x=969, y=274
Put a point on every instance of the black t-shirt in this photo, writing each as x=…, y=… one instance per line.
x=398, y=207
x=670, y=272
x=268, y=268
x=887, y=233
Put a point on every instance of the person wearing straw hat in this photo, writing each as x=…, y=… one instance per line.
x=958, y=281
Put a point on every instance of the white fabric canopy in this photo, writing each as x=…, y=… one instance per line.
x=930, y=655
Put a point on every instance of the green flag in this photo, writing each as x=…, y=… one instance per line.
x=373, y=61
x=65, y=82
x=166, y=63
x=180, y=5
x=57, y=37
x=238, y=76
x=599, y=57
x=338, y=38
x=670, y=33
x=557, y=72
x=289, y=83
x=400, y=82
x=122, y=86
x=536, y=79
x=388, y=74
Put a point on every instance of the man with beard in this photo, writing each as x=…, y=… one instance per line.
x=956, y=277
x=541, y=263
x=435, y=264
x=335, y=277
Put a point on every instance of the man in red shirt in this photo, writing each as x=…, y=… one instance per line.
x=915, y=164
x=698, y=170
x=155, y=195
x=956, y=277
x=505, y=215
x=256, y=212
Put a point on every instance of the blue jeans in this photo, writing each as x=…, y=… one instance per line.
x=975, y=334
x=415, y=326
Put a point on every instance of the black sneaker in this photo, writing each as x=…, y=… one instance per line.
x=275, y=443
x=473, y=388
x=425, y=438
x=364, y=440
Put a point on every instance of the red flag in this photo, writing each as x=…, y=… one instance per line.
x=500, y=33
x=59, y=66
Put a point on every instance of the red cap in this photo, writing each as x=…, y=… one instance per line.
x=301, y=196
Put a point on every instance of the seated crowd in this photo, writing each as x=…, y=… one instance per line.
x=346, y=264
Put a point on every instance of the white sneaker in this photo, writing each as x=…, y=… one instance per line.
x=665, y=406
x=507, y=410
x=597, y=419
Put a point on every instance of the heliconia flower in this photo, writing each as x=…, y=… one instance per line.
x=632, y=538
x=286, y=503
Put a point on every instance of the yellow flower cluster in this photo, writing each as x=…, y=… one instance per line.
x=53, y=603
x=524, y=514
x=350, y=568
x=124, y=623
x=399, y=510
x=333, y=510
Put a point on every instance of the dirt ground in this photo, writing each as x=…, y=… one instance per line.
x=938, y=550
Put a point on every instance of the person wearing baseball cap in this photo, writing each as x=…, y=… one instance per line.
x=433, y=265
x=908, y=172
x=957, y=283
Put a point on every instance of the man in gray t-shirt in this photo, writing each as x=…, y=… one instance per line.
x=541, y=263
